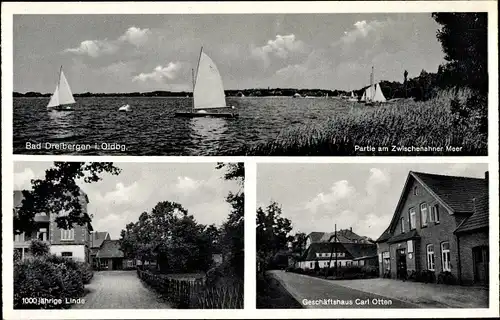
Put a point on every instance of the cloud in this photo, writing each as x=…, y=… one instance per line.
x=340, y=190
x=136, y=36
x=22, y=180
x=457, y=169
x=280, y=47
x=160, y=73
x=94, y=48
x=376, y=181
x=361, y=30
x=186, y=184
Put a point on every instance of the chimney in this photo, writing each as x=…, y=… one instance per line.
x=351, y=229
x=487, y=176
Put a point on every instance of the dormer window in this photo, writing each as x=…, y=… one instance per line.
x=415, y=190
x=402, y=225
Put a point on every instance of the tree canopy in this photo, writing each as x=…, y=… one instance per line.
x=272, y=232
x=58, y=193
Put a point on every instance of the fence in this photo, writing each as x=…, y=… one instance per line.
x=193, y=294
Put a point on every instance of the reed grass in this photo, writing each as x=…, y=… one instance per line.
x=403, y=123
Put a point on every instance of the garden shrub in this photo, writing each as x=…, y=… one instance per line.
x=87, y=271
x=39, y=248
x=446, y=277
x=48, y=277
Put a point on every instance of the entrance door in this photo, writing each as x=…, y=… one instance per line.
x=481, y=264
x=401, y=263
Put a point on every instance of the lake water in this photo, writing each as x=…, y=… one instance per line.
x=152, y=129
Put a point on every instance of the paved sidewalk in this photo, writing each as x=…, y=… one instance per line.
x=312, y=292
x=119, y=290
x=426, y=295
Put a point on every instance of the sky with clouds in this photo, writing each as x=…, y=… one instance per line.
x=118, y=200
x=126, y=53
x=361, y=196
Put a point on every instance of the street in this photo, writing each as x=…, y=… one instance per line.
x=119, y=290
x=314, y=292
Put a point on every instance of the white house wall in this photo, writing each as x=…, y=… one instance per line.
x=77, y=250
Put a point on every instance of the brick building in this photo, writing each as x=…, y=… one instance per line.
x=74, y=243
x=440, y=224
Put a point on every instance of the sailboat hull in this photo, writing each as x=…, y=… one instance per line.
x=206, y=114
x=61, y=108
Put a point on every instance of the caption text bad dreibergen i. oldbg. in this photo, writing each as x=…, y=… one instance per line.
x=105, y=146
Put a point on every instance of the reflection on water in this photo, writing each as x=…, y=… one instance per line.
x=62, y=124
x=208, y=131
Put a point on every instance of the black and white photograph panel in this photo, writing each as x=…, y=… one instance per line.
x=101, y=235
x=346, y=84
x=372, y=236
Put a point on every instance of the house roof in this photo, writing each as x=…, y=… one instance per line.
x=413, y=234
x=343, y=235
x=110, y=249
x=322, y=247
x=480, y=217
x=18, y=198
x=455, y=193
x=98, y=238
x=361, y=250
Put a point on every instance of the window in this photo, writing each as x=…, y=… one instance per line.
x=310, y=265
x=430, y=257
x=445, y=256
x=402, y=225
x=434, y=214
x=415, y=191
x=413, y=218
x=423, y=214
x=42, y=234
x=19, y=237
x=67, y=254
x=68, y=234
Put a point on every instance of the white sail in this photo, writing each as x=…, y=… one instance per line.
x=62, y=94
x=65, y=95
x=54, y=100
x=367, y=95
x=379, y=95
x=208, y=88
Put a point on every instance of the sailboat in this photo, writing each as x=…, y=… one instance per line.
x=208, y=91
x=373, y=94
x=62, y=98
x=352, y=98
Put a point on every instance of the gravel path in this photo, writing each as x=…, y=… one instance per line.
x=119, y=290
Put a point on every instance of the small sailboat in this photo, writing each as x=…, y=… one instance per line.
x=125, y=108
x=373, y=94
x=352, y=98
x=62, y=98
x=208, y=91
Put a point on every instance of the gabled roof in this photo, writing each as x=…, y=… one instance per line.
x=454, y=193
x=97, y=238
x=480, y=217
x=110, y=249
x=343, y=235
x=18, y=198
x=361, y=250
x=323, y=247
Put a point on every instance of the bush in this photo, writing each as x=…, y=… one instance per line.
x=46, y=277
x=426, y=276
x=39, y=248
x=446, y=277
x=87, y=271
x=369, y=271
